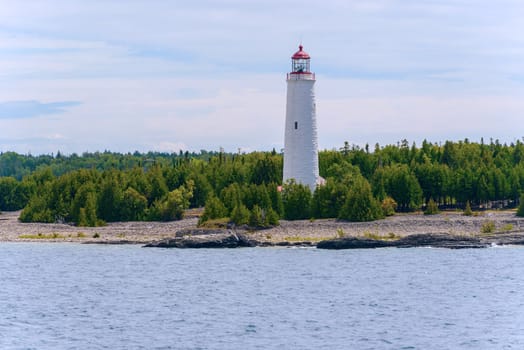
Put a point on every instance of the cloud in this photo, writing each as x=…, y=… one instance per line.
x=206, y=73
x=31, y=109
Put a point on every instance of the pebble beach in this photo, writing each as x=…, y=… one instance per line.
x=399, y=225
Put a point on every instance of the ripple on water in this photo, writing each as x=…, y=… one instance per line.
x=76, y=297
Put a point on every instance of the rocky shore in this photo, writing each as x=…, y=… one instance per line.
x=447, y=230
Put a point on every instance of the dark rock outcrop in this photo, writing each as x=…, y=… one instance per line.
x=437, y=240
x=215, y=240
x=353, y=243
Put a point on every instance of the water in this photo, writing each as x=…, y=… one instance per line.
x=69, y=296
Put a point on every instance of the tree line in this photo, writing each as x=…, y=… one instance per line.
x=361, y=184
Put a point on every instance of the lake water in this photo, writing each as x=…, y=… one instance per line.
x=71, y=296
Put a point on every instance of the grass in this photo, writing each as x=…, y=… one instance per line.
x=305, y=239
x=389, y=237
x=53, y=235
x=215, y=223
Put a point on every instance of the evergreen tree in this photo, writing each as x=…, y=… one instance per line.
x=214, y=209
x=360, y=204
x=133, y=205
x=256, y=217
x=110, y=199
x=240, y=215
x=297, y=200
x=272, y=218
x=520, y=210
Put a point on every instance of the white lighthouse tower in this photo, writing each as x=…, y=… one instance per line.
x=300, y=144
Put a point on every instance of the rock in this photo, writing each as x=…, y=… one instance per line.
x=438, y=240
x=513, y=238
x=352, y=243
x=200, y=232
x=290, y=244
x=215, y=240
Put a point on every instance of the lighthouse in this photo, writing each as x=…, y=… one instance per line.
x=300, y=139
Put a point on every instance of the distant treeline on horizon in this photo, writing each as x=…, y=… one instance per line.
x=450, y=174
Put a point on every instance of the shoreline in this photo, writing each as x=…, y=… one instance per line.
x=289, y=233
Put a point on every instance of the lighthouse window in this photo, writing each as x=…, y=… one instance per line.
x=296, y=125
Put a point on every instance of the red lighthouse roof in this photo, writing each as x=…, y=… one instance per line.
x=300, y=54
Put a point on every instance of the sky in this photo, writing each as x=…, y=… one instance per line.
x=167, y=75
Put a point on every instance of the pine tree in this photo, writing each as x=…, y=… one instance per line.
x=297, y=201
x=360, y=204
x=256, y=217
x=240, y=215
x=520, y=210
x=214, y=209
x=431, y=208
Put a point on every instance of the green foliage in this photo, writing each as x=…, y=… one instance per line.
x=14, y=195
x=53, y=235
x=402, y=185
x=296, y=199
x=240, y=214
x=520, y=210
x=214, y=209
x=272, y=218
x=215, y=223
x=431, y=208
x=360, y=204
x=488, y=226
x=111, y=198
x=389, y=237
x=467, y=209
x=37, y=210
x=277, y=205
x=133, y=205
x=452, y=174
x=256, y=217
x=388, y=206
x=173, y=205
x=84, y=206
x=328, y=199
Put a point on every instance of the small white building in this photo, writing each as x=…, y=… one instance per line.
x=300, y=143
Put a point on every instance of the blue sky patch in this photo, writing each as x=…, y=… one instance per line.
x=30, y=109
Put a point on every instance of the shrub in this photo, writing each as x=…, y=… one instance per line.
x=467, y=210
x=389, y=206
x=431, y=208
x=488, y=227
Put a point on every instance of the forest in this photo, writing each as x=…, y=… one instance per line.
x=362, y=184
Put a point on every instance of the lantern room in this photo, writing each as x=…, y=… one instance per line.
x=300, y=65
